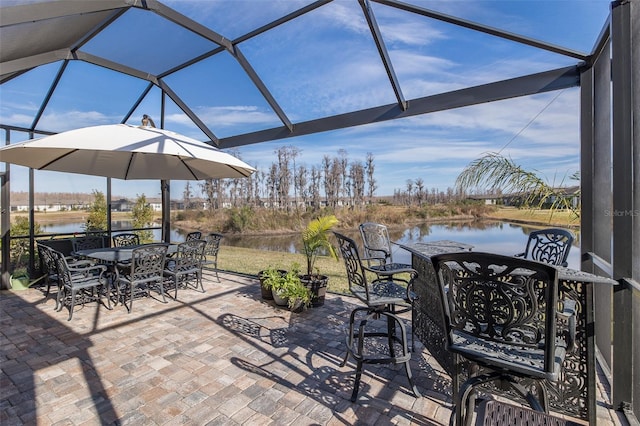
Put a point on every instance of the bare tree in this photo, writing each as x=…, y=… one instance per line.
x=419, y=191
x=206, y=188
x=314, y=186
x=293, y=154
x=272, y=186
x=371, y=182
x=342, y=162
x=301, y=181
x=284, y=175
x=409, y=190
x=186, y=195
x=356, y=176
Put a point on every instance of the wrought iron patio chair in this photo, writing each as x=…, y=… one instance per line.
x=144, y=271
x=186, y=266
x=49, y=268
x=78, y=285
x=548, y=245
x=378, y=250
x=501, y=323
x=384, y=298
x=87, y=242
x=195, y=235
x=211, y=249
x=126, y=240
x=499, y=413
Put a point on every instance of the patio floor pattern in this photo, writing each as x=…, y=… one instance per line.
x=223, y=357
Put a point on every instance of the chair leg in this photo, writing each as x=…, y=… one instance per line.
x=356, y=384
x=72, y=304
x=199, y=273
x=130, y=307
x=414, y=388
x=58, y=296
x=161, y=285
x=105, y=288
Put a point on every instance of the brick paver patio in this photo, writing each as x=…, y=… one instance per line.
x=225, y=357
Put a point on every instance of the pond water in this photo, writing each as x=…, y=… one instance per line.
x=490, y=236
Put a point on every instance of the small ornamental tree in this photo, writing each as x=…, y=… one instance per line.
x=142, y=216
x=97, y=219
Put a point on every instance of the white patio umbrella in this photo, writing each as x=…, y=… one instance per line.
x=127, y=152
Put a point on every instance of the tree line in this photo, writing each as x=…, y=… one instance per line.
x=287, y=183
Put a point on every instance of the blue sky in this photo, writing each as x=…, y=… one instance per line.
x=325, y=64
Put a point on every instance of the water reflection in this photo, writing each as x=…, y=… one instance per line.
x=490, y=236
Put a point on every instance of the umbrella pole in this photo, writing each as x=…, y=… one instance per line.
x=109, y=209
x=166, y=211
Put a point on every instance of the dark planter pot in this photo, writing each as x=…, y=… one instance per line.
x=318, y=286
x=267, y=294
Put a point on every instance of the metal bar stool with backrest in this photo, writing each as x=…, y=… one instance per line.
x=211, y=249
x=143, y=271
x=378, y=250
x=501, y=323
x=126, y=240
x=548, y=245
x=186, y=265
x=384, y=298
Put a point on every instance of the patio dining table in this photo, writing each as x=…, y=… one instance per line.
x=575, y=392
x=113, y=255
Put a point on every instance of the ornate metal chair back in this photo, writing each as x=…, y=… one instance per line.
x=213, y=244
x=376, y=243
x=506, y=301
x=88, y=242
x=355, y=272
x=126, y=240
x=189, y=255
x=549, y=245
x=195, y=235
x=147, y=263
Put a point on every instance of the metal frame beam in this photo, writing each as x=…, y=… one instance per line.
x=521, y=86
x=382, y=51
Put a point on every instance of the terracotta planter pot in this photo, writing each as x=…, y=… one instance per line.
x=318, y=286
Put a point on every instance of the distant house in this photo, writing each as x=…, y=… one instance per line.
x=121, y=205
x=488, y=199
x=515, y=200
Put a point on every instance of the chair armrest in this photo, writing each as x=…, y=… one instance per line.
x=86, y=266
x=382, y=273
x=88, y=271
x=519, y=255
x=79, y=263
x=568, y=314
x=376, y=260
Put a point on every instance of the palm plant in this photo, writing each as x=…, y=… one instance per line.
x=316, y=237
x=495, y=171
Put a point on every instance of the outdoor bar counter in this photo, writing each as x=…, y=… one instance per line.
x=575, y=392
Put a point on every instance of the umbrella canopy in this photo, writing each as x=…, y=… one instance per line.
x=123, y=151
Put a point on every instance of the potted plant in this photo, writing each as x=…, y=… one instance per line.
x=19, y=278
x=315, y=240
x=297, y=295
x=269, y=278
x=286, y=287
